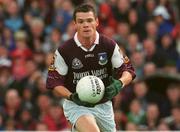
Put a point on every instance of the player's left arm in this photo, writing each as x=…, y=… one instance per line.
x=124, y=74
x=123, y=69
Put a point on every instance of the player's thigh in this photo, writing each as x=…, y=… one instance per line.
x=86, y=123
x=105, y=117
x=106, y=124
x=75, y=113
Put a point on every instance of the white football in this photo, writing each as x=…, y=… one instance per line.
x=90, y=89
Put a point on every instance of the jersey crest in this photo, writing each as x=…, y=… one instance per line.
x=76, y=63
x=103, y=58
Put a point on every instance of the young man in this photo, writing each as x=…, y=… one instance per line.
x=88, y=53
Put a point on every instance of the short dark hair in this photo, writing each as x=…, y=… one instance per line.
x=84, y=8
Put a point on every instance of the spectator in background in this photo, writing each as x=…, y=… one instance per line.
x=138, y=62
x=39, y=59
x=32, y=73
x=43, y=105
x=173, y=120
x=122, y=33
x=41, y=8
x=175, y=114
x=20, y=55
x=6, y=81
x=52, y=41
x=144, y=95
x=123, y=30
x=146, y=12
x=26, y=121
x=169, y=6
x=69, y=32
x=153, y=54
x=34, y=8
x=151, y=30
x=176, y=38
x=10, y=125
x=41, y=126
x=136, y=114
x=36, y=38
x=161, y=17
x=62, y=15
x=168, y=47
x=134, y=43
x=106, y=18
x=109, y=31
x=27, y=17
x=27, y=100
x=14, y=20
x=149, y=69
x=55, y=118
x=4, y=56
x=40, y=84
x=11, y=109
x=1, y=122
x=152, y=117
x=163, y=126
x=173, y=99
x=7, y=39
x=2, y=15
x=177, y=7
x=140, y=91
x=6, y=78
x=67, y=5
x=121, y=10
x=134, y=23
x=130, y=126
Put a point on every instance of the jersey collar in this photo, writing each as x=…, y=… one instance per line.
x=78, y=43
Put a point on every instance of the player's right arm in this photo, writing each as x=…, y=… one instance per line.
x=62, y=91
x=55, y=80
x=56, y=76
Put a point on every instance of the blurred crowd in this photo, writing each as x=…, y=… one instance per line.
x=148, y=32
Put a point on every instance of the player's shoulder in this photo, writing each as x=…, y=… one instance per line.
x=67, y=45
x=106, y=40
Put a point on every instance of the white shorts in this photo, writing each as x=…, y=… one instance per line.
x=103, y=113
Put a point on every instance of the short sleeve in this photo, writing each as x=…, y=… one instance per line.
x=117, y=57
x=59, y=63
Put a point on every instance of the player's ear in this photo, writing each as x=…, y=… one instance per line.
x=97, y=22
x=74, y=22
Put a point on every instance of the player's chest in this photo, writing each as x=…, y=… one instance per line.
x=88, y=59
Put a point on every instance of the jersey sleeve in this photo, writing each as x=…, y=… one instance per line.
x=117, y=57
x=121, y=63
x=59, y=63
x=56, y=71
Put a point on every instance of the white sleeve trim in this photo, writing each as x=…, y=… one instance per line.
x=117, y=57
x=60, y=64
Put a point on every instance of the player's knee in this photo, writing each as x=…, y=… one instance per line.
x=87, y=123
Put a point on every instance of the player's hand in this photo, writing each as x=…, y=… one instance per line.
x=113, y=89
x=74, y=97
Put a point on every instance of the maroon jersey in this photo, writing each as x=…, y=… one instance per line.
x=77, y=63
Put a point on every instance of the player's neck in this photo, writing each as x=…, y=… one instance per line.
x=87, y=42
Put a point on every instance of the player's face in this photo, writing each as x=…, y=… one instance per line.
x=86, y=24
